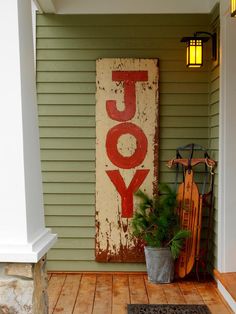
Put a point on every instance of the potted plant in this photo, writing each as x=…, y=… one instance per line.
x=156, y=223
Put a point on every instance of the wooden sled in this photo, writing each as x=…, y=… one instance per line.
x=189, y=207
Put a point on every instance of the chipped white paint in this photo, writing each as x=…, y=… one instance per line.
x=113, y=238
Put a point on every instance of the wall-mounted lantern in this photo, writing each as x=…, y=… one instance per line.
x=233, y=8
x=194, y=52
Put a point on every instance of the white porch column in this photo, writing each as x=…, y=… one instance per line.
x=227, y=160
x=23, y=237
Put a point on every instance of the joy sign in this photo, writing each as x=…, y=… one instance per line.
x=126, y=150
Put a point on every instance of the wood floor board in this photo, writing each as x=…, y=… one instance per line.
x=120, y=294
x=93, y=293
x=103, y=295
x=212, y=298
x=155, y=293
x=54, y=290
x=67, y=298
x=138, y=293
x=85, y=297
x=190, y=293
x=173, y=294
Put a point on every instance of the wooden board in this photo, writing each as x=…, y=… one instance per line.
x=212, y=298
x=85, y=298
x=173, y=294
x=188, y=207
x=66, y=301
x=120, y=294
x=137, y=290
x=54, y=289
x=228, y=280
x=126, y=151
x=103, y=295
x=155, y=292
x=190, y=293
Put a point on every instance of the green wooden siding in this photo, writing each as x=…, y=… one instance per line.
x=214, y=136
x=67, y=47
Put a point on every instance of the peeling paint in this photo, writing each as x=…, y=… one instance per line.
x=114, y=242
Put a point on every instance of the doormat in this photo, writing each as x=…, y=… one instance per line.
x=167, y=309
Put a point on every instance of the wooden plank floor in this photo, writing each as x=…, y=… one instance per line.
x=110, y=293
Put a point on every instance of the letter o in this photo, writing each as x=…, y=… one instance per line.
x=141, y=145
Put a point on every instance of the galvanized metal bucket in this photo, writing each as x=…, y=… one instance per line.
x=160, y=264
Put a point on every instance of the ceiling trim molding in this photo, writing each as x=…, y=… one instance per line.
x=45, y=6
x=212, y=3
x=125, y=6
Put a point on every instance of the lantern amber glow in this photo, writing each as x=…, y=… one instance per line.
x=194, y=53
x=233, y=7
x=195, y=48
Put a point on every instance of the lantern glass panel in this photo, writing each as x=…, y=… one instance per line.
x=194, y=53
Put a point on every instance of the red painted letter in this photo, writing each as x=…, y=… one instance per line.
x=111, y=145
x=129, y=78
x=127, y=193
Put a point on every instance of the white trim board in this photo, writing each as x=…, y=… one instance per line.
x=227, y=149
x=126, y=6
x=28, y=252
x=226, y=296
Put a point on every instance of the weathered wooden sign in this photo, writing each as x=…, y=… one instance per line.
x=126, y=151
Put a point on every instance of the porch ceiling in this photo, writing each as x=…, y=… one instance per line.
x=124, y=6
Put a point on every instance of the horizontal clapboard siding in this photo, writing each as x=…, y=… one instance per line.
x=67, y=48
x=214, y=139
